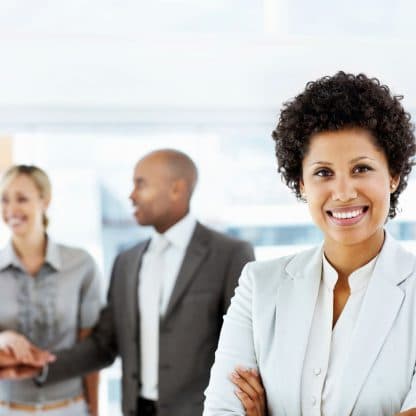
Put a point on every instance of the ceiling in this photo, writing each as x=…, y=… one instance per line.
x=129, y=60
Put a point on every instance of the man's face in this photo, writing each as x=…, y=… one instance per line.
x=152, y=192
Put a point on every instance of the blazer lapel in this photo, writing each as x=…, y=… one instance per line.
x=131, y=270
x=295, y=307
x=195, y=253
x=380, y=307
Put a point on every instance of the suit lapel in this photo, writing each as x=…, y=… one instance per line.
x=295, y=307
x=195, y=253
x=378, y=312
x=132, y=284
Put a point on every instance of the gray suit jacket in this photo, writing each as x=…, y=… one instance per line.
x=188, y=333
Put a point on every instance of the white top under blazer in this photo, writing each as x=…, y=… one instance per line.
x=329, y=347
x=268, y=323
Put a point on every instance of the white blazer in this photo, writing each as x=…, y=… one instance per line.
x=267, y=327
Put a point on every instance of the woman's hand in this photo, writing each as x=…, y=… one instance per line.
x=11, y=368
x=16, y=344
x=410, y=412
x=250, y=391
x=15, y=349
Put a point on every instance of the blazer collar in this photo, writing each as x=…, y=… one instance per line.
x=195, y=253
x=131, y=270
x=310, y=261
x=404, y=261
x=381, y=304
x=306, y=263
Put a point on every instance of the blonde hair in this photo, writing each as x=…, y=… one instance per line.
x=39, y=178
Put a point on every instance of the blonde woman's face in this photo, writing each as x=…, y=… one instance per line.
x=23, y=206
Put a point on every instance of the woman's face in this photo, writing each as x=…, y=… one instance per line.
x=23, y=207
x=347, y=184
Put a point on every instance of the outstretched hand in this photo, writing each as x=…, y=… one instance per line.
x=35, y=358
x=16, y=344
x=250, y=391
x=22, y=365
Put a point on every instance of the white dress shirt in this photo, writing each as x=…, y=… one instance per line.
x=328, y=348
x=157, y=278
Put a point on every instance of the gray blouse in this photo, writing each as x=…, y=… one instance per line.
x=49, y=310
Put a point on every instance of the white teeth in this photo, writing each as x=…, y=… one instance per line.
x=15, y=221
x=345, y=215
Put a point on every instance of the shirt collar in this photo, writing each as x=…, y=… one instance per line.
x=179, y=234
x=53, y=255
x=357, y=280
x=8, y=256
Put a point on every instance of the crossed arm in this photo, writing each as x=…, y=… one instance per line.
x=249, y=389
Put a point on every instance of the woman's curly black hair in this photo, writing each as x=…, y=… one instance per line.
x=345, y=101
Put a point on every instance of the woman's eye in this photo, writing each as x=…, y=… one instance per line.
x=362, y=169
x=323, y=173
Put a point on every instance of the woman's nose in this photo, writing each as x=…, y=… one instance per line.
x=344, y=190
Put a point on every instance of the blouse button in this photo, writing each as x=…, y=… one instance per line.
x=317, y=371
x=313, y=400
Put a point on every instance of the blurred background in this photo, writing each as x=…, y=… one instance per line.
x=87, y=88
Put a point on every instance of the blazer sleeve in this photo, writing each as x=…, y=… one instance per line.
x=242, y=254
x=90, y=304
x=235, y=347
x=96, y=351
x=410, y=400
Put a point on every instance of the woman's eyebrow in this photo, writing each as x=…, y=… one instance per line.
x=355, y=160
x=320, y=162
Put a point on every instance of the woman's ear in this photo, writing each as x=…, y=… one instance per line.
x=302, y=190
x=394, y=183
x=46, y=202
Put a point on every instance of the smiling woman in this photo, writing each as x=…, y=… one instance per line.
x=330, y=331
x=50, y=298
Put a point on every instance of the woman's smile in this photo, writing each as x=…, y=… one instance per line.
x=347, y=216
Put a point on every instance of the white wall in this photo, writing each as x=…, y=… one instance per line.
x=126, y=60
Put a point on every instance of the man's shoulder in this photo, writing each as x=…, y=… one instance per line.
x=217, y=237
x=132, y=252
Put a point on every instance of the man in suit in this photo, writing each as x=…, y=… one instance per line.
x=166, y=300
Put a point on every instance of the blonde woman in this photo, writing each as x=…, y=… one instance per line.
x=49, y=298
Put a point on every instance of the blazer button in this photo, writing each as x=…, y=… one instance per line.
x=165, y=366
x=134, y=375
